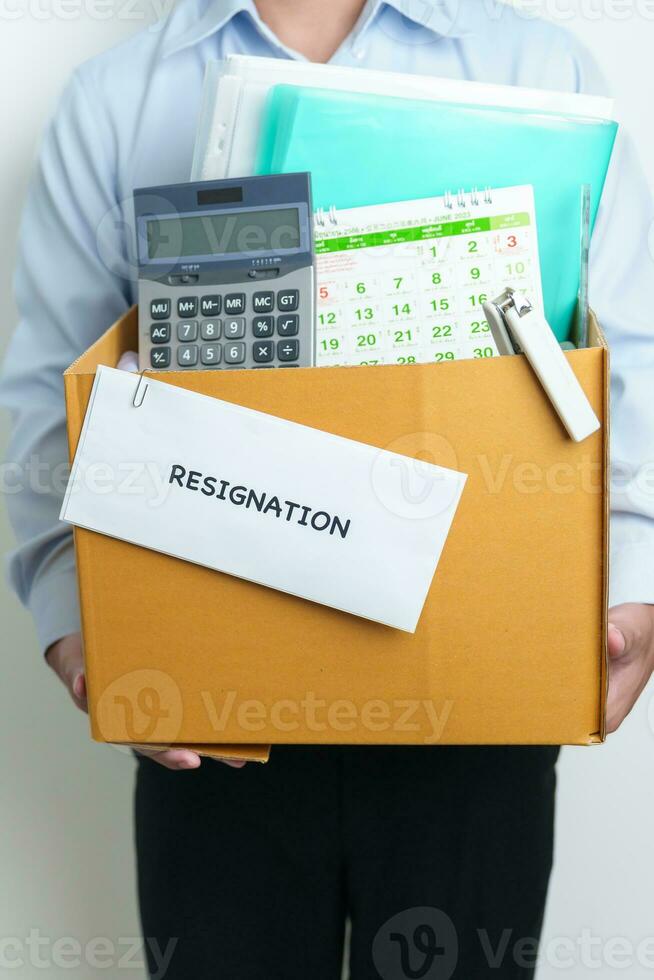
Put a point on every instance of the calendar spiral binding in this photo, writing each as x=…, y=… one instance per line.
x=460, y=199
x=471, y=199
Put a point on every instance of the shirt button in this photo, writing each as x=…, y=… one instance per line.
x=359, y=53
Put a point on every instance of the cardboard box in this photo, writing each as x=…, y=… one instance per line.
x=511, y=644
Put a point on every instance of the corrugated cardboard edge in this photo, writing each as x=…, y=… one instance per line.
x=233, y=753
x=597, y=339
x=107, y=349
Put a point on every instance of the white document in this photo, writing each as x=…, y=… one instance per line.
x=235, y=92
x=294, y=508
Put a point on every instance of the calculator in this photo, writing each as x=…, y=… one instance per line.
x=226, y=274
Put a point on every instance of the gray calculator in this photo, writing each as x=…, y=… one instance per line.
x=226, y=274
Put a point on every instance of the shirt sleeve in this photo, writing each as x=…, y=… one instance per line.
x=620, y=281
x=621, y=275
x=67, y=291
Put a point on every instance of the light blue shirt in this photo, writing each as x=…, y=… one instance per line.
x=128, y=119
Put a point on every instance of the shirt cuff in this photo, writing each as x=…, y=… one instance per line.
x=631, y=570
x=54, y=601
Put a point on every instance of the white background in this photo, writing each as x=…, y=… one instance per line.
x=65, y=848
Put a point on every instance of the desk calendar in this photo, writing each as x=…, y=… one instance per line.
x=405, y=283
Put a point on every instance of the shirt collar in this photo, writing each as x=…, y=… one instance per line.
x=193, y=20
x=440, y=16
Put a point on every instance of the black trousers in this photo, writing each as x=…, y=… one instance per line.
x=439, y=856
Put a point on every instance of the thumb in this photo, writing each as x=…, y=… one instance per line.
x=617, y=641
x=627, y=624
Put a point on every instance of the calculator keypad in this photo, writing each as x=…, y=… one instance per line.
x=257, y=327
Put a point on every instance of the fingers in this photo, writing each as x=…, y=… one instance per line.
x=182, y=758
x=631, y=657
x=78, y=690
x=173, y=758
x=620, y=700
x=67, y=660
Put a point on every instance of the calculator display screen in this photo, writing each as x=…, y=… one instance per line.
x=272, y=230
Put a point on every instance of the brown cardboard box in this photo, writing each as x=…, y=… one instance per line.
x=510, y=647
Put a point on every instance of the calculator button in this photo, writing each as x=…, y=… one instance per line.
x=187, y=306
x=160, y=357
x=210, y=329
x=211, y=354
x=235, y=303
x=263, y=350
x=263, y=302
x=288, y=350
x=235, y=328
x=160, y=333
x=160, y=309
x=187, y=330
x=234, y=353
x=263, y=326
x=210, y=305
x=288, y=326
x=288, y=299
x=187, y=355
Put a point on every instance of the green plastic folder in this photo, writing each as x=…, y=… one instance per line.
x=364, y=149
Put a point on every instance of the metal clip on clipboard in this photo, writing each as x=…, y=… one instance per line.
x=518, y=328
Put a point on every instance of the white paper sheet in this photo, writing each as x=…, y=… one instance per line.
x=294, y=508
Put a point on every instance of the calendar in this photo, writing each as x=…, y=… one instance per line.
x=405, y=283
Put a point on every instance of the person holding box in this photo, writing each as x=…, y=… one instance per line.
x=254, y=873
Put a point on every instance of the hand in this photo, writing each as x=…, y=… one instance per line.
x=67, y=660
x=631, y=658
